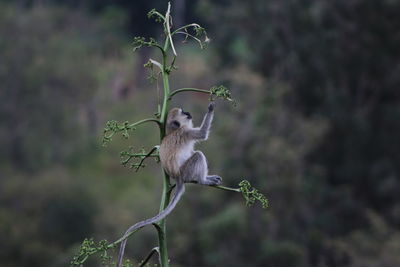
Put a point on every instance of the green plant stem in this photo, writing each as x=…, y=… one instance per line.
x=159, y=47
x=161, y=229
x=143, y=121
x=166, y=194
x=131, y=126
x=188, y=90
x=165, y=101
x=226, y=188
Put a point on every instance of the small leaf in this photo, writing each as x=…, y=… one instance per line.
x=251, y=195
x=221, y=92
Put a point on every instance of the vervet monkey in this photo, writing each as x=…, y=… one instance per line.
x=177, y=154
x=180, y=161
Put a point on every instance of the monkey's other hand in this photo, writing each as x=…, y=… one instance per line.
x=211, y=106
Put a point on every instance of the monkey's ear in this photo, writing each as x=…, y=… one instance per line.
x=174, y=125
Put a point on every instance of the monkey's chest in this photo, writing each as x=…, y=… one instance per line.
x=174, y=154
x=183, y=154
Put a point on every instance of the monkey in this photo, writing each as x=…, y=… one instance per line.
x=177, y=154
x=180, y=161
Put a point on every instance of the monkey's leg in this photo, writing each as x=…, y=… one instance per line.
x=195, y=170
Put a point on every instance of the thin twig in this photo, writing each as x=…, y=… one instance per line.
x=188, y=90
x=112, y=128
x=144, y=155
x=154, y=250
x=168, y=27
x=185, y=27
x=145, y=120
x=155, y=62
x=137, y=167
x=226, y=188
x=159, y=47
x=195, y=38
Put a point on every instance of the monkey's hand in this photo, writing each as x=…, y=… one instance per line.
x=211, y=106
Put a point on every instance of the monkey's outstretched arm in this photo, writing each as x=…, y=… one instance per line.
x=202, y=132
x=180, y=189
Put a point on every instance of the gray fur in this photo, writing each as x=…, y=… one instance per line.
x=195, y=170
x=202, y=132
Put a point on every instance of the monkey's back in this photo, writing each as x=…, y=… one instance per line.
x=175, y=149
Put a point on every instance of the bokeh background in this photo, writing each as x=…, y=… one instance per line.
x=316, y=129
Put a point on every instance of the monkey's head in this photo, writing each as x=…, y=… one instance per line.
x=177, y=118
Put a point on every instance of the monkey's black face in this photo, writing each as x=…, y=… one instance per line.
x=187, y=114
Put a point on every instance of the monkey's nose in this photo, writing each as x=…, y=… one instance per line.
x=188, y=115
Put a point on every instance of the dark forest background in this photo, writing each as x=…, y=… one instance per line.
x=317, y=129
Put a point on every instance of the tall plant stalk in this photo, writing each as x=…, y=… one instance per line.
x=136, y=159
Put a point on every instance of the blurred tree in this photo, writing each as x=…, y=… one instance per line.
x=42, y=216
x=43, y=89
x=137, y=24
x=340, y=60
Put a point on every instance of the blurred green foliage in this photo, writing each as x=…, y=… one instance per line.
x=316, y=128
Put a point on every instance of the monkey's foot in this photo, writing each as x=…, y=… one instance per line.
x=213, y=180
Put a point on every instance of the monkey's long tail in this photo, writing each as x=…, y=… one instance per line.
x=180, y=189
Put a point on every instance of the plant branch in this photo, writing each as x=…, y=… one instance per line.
x=112, y=127
x=154, y=13
x=154, y=250
x=188, y=90
x=214, y=92
x=168, y=27
x=137, y=167
x=193, y=37
x=226, y=188
x=249, y=193
x=145, y=120
x=158, y=64
x=185, y=27
x=166, y=193
x=127, y=155
x=145, y=155
x=138, y=42
x=160, y=47
x=161, y=229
